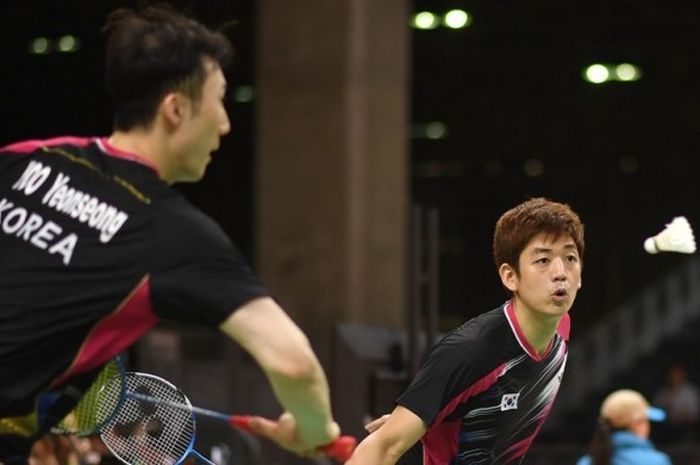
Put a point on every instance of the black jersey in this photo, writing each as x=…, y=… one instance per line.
x=95, y=249
x=484, y=392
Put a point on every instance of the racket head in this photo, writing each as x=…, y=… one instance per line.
x=139, y=431
x=81, y=420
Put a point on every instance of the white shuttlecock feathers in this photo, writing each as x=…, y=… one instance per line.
x=676, y=237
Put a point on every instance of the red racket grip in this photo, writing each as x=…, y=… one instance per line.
x=241, y=421
x=341, y=449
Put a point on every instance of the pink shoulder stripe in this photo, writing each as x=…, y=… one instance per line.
x=440, y=442
x=116, y=332
x=29, y=146
x=111, y=150
x=564, y=328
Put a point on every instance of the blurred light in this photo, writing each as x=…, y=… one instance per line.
x=533, y=167
x=627, y=72
x=425, y=20
x=68, y=44
x=431, y=130
x=243, y=94
x=435, y=130
x=456, y=19
x=596, y=74
x=628, y=165
x=39, y=46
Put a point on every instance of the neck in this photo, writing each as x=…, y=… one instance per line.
x=539, y=330
x=640, y=429
x=143, y=144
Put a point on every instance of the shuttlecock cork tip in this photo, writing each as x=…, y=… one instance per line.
x=676, y=237
x=650, y=246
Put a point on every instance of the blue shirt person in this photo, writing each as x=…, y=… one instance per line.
x=622, y=434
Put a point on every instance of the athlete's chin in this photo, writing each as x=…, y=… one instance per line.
x=559, y=307
x=198, y=171
x=192, y=175
x=554, y=308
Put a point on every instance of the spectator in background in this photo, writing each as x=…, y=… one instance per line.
x=681, y=400
x=622, y=434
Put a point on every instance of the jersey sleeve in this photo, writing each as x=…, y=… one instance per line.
x=446, y=375
x=199, y=276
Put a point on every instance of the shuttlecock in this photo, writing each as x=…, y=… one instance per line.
x=676, y=237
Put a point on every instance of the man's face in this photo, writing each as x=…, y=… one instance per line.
x=204, y=122
x=549, y=276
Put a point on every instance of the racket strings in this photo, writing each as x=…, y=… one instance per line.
x=82, y=420
x=146, y=422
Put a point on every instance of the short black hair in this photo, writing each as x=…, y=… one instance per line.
x=153, y=51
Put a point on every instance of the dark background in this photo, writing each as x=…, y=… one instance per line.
x=509, y=90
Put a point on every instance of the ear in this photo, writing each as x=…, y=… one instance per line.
x=172, y=108
x=509, y=277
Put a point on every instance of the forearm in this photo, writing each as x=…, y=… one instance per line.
x=283, y=352
x=392, y=436
x=306, y=396
x=372, y=451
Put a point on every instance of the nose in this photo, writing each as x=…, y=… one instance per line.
x=225, y=125
x=558, y=269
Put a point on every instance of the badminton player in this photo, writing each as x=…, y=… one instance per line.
x=487, y=387
x=97, y=247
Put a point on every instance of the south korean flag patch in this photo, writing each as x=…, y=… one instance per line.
x=509, y=401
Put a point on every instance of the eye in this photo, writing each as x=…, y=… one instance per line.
x=542, y=260
x=572, y=258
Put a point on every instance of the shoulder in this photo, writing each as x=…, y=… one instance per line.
x=656, y=457
x=585, y=460
x=479, y=345
x=483, y=324
x=480, y=332
x=650, y=457
x=180, y=218
x=640, y=452
x=183, y=230
x=29, y=146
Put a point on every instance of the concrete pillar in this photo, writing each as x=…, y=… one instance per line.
x=332, y=162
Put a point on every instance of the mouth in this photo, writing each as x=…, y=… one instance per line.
x=560, y=294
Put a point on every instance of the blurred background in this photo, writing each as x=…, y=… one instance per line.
x=374, y=145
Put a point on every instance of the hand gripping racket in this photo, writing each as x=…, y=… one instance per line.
x=341, y=449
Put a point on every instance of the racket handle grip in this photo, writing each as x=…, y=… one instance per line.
x=241, y=421
x=340, y=449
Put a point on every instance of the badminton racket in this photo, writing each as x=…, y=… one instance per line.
x=67, y=410
x=142, y=432
x=340, y=449
x=80, y=420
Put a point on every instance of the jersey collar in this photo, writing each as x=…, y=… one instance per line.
x=109, y=149
x=509, y=312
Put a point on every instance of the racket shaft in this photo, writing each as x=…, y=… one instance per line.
x=179, y=406
x=341, y=449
